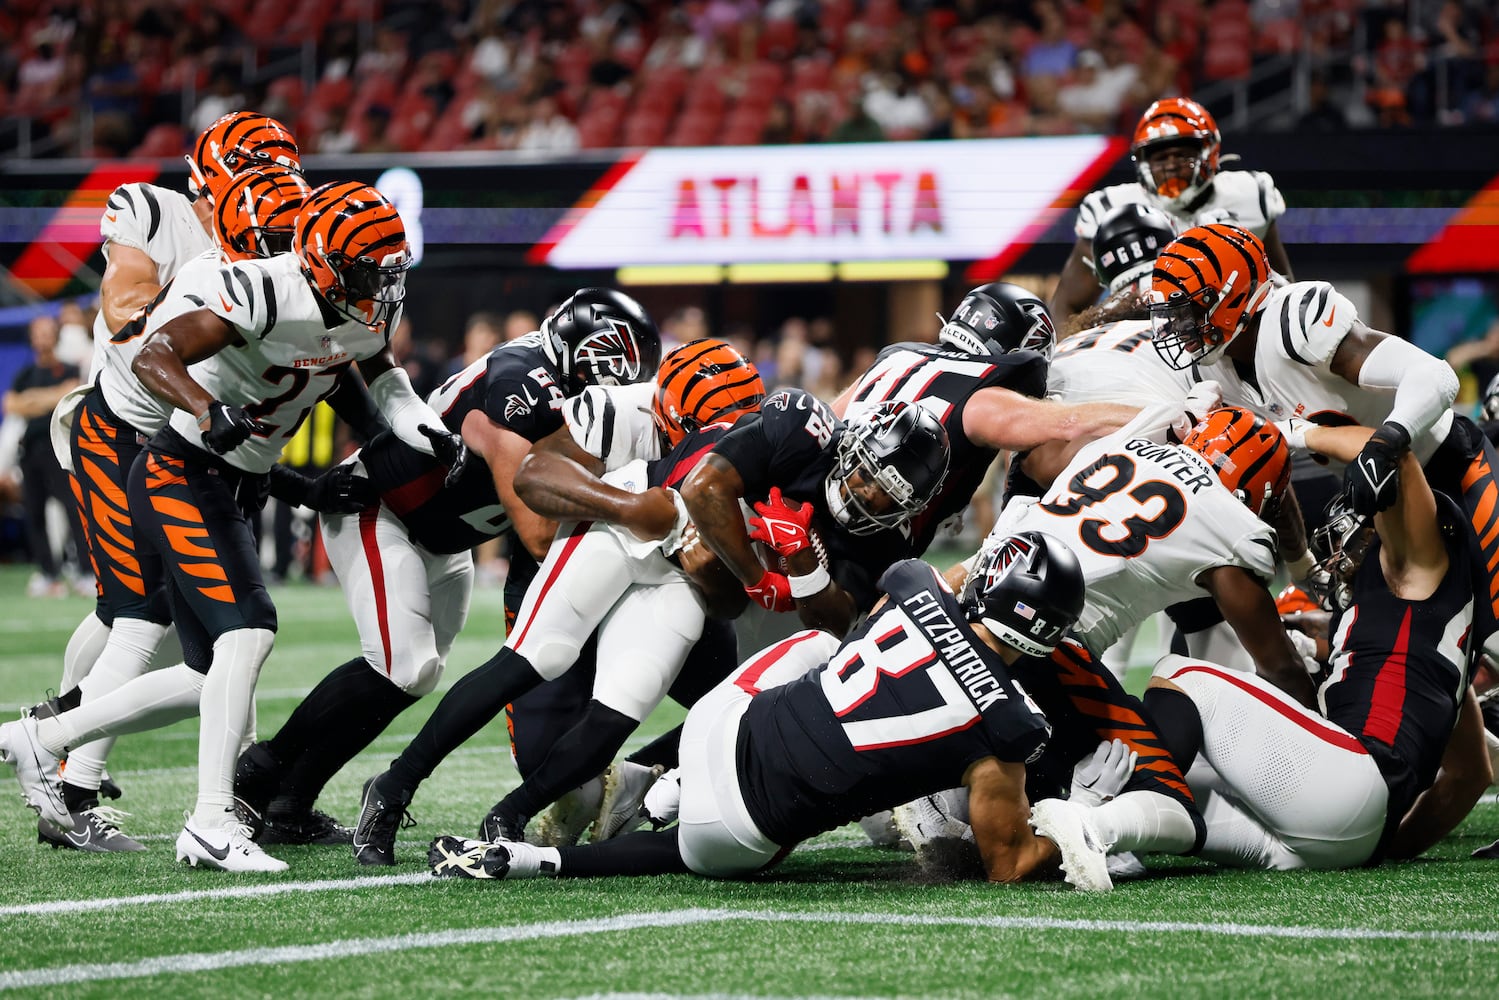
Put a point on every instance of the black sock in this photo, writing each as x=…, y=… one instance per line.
x=78, y=799
x=1178, y=723
x=328, y=700
x=579, y=754
x=367, y=703
x=477, y=698
x=661, y=750
x=70, y=700
x=644, y=852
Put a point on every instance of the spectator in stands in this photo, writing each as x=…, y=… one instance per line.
x=480, y=336
x=548, y=131
x=224, y=95
x=1052, y=56
x=75, y=341
x=338, y=135
x=1096, y=92
x=33, y=396
x=492, y=58
x=418, y=359
x=1322, y=114
x=1455, y=55
x=40, y=79
x=387, y=58
x=683, y=326
x=858, y=127
x=518, y=323
x=677, y=45
x=1482, y=106
x=894, y=103
x=1396, y=62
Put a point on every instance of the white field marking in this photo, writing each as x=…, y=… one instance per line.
x=709, y=996
x=350, y=947
x=233, y=892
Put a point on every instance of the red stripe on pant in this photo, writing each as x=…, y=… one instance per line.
x=1325, y=733
x=568, y=547
x=749, y=677
x=367, y=520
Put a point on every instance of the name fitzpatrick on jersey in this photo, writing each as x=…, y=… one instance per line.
x=956, y=651
x=1185, y=466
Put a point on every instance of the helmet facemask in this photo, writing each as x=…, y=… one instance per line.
x=1341, y=545
x=1173, y=187
x=860, y=480
x=1182, y=328
x=366, y=290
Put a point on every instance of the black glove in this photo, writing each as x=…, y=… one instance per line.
x=449, y=449
x=228, y=427
x=1371, y=482
x=341, y=490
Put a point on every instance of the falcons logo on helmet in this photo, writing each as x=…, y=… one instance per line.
x=1041, y=331
x=612, y=353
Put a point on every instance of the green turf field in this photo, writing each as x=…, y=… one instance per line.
x=837, y=919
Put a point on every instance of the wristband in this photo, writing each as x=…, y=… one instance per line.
x=810, y=585
x=205, y=419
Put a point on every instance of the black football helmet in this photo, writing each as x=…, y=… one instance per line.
x=1127, y=242
x=602, y=337
x=1028, y=590
x=900, y=447
x=1340, y=545
x=998, y=318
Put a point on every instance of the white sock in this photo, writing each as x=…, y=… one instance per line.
x=1145, y=821
x=529, y=861
x=131, y=643
x=84, y=646
x=168, y=650
x=225, y=713
x=157, y=699
x=85, y=767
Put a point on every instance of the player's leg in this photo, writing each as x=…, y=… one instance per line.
x=1479, y=498
x=1308, y=782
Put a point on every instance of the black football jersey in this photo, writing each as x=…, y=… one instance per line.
x=792, y=443
x=909, y=701
x=516, y=387
x=677, y=464
x=943, y=380
x=1399, y=668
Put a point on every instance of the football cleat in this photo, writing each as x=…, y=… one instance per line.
x=44, y=709
x=564, y=823
x=1490, y=853
x=1125, y=865
x=227, y=848
x=932, y=817
x=502, y=824
x=95, y=831
x=257, y=777
x=108, y=787
x=310, y=827
x=1066, y=824
x=880, y=829
x=35, y=767
x=460, y=857
x=625, y=785
x=380, y=815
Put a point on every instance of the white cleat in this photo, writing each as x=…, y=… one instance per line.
x=1066, y=824
x=932, y=817
x=564, y=823
x=880, y=829
x=227, y=848
x=1125, y=865
x=625, y=785
x=35, y=767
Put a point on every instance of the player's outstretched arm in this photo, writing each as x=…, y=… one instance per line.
x=164, y=357
x=555, y=483
x=1000, y=816
x=1002, y=419
x=1465, y=773
x=1275, y=251
x=502, y=450
x=1249, y=608
x=129, y=283
x=1078, y=286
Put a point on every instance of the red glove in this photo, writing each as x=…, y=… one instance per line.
x=780, y=527
x=773, y=593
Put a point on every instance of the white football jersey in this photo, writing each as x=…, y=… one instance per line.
x=1145, y=520
x=158, y=222
x=613, y=423
x=1247, y=198
x=123, y=392
x=289, y=360
x=1115, y=363
x=1301, y=326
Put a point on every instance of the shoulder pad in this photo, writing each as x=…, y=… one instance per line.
x=1306, y=321
x=1097, y=204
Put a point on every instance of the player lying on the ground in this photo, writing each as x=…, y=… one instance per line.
x=1396, y=760
x=404, y=563
x=811, y=733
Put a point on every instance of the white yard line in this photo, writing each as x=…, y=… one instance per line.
x=231, y=892
x=350, y=947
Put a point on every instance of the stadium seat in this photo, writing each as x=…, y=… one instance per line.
x=1226, y=61
x=1279, y=37
x=163, y=140
x=777, y=39
x=288, y=89
x=694, y=130
x=597, y=131
x=643, y=129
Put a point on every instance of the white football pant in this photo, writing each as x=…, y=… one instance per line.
x=408, y=603
x=716, y=835
x=1291, y=789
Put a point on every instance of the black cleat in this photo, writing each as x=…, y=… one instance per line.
x=96, y=830
x=459, y=857
x=1490, y=853
x=108, y=788
x=310, y=827
x=257, y=778
x=380, y=816
x=502, y=824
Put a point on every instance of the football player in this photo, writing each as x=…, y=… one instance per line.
x=1299, y=354
x=856, y=487
x=1396, y=758
x=405, y=562
x=1176, y=151
x=985, y=380
x=267, y=344
x=150, y=235
x=812, y=733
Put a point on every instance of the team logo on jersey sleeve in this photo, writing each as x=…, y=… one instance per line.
x=518, y=406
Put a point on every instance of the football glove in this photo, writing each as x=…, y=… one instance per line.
x=778, y=526
x=1372, y=480
x=1104, y=775
x=1294, y=431
x=773, y=593
x=227, y=427
x=1203, y=398
x=449, y=449
x=341, y=491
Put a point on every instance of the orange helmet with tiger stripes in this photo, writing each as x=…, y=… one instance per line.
x=1176, y=121
x=701, y=383
x=1206, y=286
x=235, y=143
x=255, y=216
x=1249, y=454
x=354, y=252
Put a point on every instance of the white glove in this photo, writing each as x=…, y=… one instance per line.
x=1104, y=775
x=1306, y=648
x=674, y=540
x=1204, y=397
x=1294, y=431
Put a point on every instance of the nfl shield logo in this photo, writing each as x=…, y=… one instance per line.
x=327, y=343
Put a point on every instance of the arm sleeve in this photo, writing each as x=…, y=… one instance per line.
x=404, y=409
x=1424, y=386
x=352, y=401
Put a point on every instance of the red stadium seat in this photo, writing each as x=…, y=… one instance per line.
x=161, y=141
x=288, y=89
x=694, y=130
x=645, y=129
x=597, y=131
x=1226, y=61
x=777, y=39
x=1282, y=37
